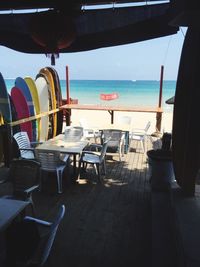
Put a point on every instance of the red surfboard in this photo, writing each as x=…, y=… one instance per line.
x=22, y=110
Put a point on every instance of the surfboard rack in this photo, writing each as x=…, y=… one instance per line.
x=38, y=116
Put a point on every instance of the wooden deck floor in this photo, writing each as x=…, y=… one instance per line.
x=105, y=224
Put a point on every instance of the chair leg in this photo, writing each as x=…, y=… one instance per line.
x=95, y=138
x=84, y=166
x=98, y=172
x=32, y=205
x=40, y=180
x=143, y=145
x=122, y=150
x=104, y=167
x=95, y=167
x=59, y=180
x=79, y=169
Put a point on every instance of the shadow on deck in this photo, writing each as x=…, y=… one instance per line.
x=121, y=222
x=105, y=224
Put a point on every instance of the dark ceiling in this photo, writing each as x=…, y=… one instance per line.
x=66, y=27
x=60, y=4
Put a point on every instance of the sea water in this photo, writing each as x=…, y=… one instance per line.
x=132, y=93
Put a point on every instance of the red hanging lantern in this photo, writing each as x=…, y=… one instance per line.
x=52, y=30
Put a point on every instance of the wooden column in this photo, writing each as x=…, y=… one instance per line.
x=159, y=114
x=68, y=112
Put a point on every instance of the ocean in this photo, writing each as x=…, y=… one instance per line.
x=139, y=93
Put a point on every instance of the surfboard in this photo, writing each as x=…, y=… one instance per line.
x=21, y=84
x=186, y=131
x=15, y=128
x=49, y=77
x=58, y=94
x=43, y=95
x=5, y=129
x=34, y=93
x=50, y=119
x=22, y=110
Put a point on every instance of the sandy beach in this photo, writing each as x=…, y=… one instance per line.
x=139, y=119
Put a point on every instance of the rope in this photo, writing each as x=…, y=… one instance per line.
x=167, y=50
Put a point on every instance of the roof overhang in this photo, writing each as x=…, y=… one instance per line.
x=95, y=28
x=62, y=5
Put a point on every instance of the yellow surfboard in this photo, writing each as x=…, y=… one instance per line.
x=49, y=77
x=34, y=93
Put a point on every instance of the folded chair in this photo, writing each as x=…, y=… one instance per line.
x=96, y=157
x=116, y=141
x=25, y=177
x=29, y=241
x=51, y=162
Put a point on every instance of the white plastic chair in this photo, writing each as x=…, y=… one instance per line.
x=97, y=159
x=73, y=134
x=127, y=120
x=140, y=135
x=116, y=141
x=24, y=176
x=88, y=131
x=35, y=236
x=26, y=147
x=50, y=162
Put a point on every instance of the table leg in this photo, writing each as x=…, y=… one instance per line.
x=74, y=164
x=75, y=173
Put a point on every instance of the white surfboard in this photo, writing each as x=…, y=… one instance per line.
x=42, y=88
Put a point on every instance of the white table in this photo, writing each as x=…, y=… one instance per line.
x=9, y=210
x=59, y=143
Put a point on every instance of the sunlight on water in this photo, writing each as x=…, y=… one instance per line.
x=131, y=93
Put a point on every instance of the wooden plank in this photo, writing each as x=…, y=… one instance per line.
x=113, y=108
x=105, y=224
x=38, y=116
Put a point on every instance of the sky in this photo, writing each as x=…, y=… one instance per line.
x=137, y=61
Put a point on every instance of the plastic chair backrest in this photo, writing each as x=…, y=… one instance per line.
x=104, y=149
x=147, y=126
x=24, y=174
x=113, y=135
x=124, y=120
x=52, y=234
x=83, y=123
x=73, y=134
x=48, y=159
x=23, y=141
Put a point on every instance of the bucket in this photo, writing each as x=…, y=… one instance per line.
x=161, y=169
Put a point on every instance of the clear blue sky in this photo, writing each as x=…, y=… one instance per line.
x=138, y=61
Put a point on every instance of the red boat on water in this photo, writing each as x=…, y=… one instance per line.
x=112, y=96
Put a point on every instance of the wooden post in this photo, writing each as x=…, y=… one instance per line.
x=67, y=85
x=68, y=113
x=159, y=114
